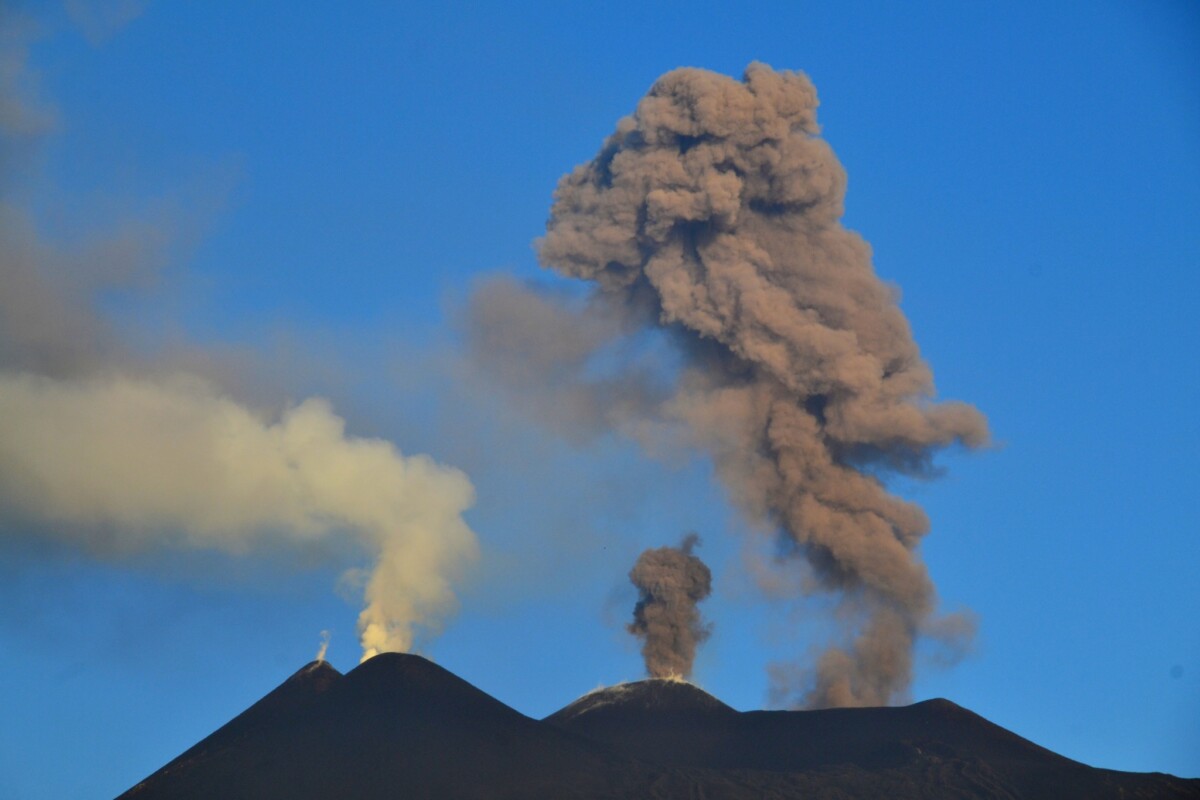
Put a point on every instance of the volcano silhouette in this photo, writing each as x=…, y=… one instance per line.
x=399, y=726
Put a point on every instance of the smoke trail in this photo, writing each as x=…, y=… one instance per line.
x=716, y=205
x=324, y=648
x=670, y=581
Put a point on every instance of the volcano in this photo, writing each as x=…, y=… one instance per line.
x=400, y=726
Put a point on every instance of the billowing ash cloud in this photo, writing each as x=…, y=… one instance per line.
x=117, y=455
x=712, y=214
x=671, y=581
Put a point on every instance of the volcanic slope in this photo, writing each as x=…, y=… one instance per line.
x=930, y=749
x=399, y=726
x=280, y=708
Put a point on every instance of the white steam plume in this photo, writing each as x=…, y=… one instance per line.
x=118, y=453
x=127, y=465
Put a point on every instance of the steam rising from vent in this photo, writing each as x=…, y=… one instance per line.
x=713, y=214
x=122, y=465
x=324, y=648
x=118, y=453
x=670, y=582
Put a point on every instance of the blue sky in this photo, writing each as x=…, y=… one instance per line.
x=315, y=191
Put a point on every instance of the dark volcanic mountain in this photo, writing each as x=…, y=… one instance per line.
x=399, y=726
x=395, y=726
x=929, y=749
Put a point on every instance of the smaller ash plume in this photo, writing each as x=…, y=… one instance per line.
x=670, y=581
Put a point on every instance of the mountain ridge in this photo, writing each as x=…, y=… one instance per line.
x=398, y=725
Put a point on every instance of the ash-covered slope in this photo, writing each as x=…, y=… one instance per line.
x=399, y=726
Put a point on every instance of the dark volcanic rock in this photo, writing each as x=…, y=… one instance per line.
x=399, y=726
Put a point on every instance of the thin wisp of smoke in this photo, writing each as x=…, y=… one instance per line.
x=716, y=206
x=671, y=581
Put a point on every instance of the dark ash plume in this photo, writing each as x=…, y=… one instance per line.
x=717, y=206
x=670, y=581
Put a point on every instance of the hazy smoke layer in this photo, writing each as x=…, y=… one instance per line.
x=540, y=343
x=716, y=205
x=670, y=582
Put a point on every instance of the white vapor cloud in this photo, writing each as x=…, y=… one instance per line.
x=129, y=465
x=116, y=454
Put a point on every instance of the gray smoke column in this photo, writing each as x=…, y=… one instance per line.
x=671, y=581
x=716, y=206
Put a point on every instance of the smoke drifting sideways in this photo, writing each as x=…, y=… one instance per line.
x=671, y=581
x=711, y=218
x=120, y=465
x=119, y=453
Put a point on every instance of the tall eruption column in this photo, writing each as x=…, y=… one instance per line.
x=717, y=205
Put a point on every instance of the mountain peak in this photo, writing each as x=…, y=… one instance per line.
x=409, y=683
x=402, y=669
x=315, y=672
x=651, y=696
x=940, y=705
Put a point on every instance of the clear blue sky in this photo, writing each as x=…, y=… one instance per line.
x=328, y=184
